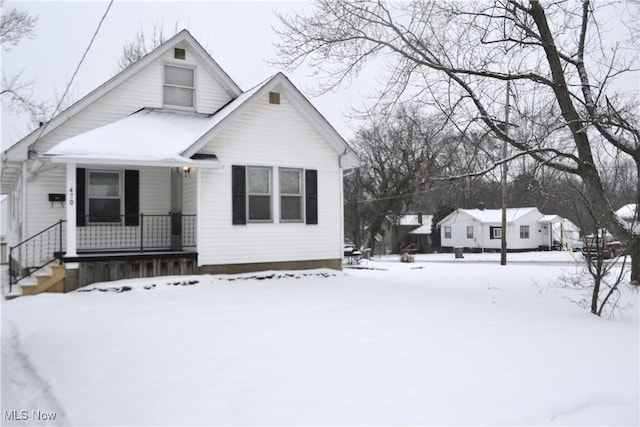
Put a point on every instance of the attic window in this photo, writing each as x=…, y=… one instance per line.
x=179, y=53
x=179, y=86
x=274, y=97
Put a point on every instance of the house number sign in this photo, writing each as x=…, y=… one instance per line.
x=71, y=196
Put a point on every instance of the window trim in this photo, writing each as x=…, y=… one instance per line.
x=249, y=194
x=88, y=196
x=447, y=232
x=527, y=234
x=496, y=232
x=300, y=195
x=192, y=88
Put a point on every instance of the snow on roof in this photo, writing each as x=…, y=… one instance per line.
x=551, y=218
x=627, y=211
x=423, y=229
x=147, y=137
x=495, y=215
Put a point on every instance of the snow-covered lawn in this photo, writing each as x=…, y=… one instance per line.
x=403, y=344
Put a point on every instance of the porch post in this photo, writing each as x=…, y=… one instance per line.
x=72, y=249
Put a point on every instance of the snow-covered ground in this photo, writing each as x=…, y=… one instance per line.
x=424, y=343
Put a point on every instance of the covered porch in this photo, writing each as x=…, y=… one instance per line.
x=129, y=202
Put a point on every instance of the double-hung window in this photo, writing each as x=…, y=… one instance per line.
x=469, y=231
x=252, y=191
x=524, y=231
x=291, y=195
x=104, y=196
x=447, y=232
x=179, y=86
x=259, y=188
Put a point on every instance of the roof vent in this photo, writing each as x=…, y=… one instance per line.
x=481, y=206
x=274, y=97
x=179, y=53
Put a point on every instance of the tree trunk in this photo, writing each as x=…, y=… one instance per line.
x=633, y=249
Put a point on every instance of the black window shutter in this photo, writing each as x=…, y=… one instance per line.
x=131, y=197
x=238, y=195
x=81, y=194
x=311, y=196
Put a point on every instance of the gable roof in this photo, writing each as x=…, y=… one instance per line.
x=182, y=37
x=234, y=109
x=490, y=215
x=167, y=138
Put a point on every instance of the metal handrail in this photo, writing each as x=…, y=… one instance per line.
x=19, y=268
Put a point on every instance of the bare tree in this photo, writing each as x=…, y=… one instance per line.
x=559, y=58
x=399, y=153
x=143, y=43
x=15, y=25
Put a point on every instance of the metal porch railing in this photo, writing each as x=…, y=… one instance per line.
x=139, y=233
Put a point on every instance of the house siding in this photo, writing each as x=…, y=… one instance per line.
x=273, y=136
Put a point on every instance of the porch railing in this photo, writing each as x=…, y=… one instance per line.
x=137, y=233
x=117, y=233
x=34, y=253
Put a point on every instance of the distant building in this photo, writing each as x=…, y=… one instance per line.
x=411, y=231
x=527, y=229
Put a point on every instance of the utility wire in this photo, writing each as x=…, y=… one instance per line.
x=84, y=55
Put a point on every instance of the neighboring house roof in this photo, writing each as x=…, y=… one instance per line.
x=183, y=37
x=493, y=215
x=168, y=138
x=423, y=229
x=627, y=212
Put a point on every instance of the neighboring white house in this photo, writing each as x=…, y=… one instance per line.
x=170, y=161
x=527, y=229
x=628, y=215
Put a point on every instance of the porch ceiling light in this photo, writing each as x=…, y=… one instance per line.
x=186, y=170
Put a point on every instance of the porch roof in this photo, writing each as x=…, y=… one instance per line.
x=146, y=138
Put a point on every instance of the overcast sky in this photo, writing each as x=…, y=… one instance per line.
x=238, y=34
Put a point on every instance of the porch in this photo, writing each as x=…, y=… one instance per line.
x=120, y=248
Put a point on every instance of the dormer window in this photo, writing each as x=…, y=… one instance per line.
x=179, y=86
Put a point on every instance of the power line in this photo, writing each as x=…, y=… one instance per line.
x=84, y=55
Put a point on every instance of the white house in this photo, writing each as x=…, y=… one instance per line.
x=527, y=229
x=169, y=167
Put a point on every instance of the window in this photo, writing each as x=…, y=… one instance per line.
x=104, y=196
x=447, y=232
x=259, y=193
x=469, y=231
x=524, y=231
x=179, y=86
x=251, y=190
x=496, y=232
x=290, y=194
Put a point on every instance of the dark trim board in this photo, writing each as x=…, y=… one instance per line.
x=334, y=264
